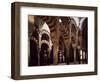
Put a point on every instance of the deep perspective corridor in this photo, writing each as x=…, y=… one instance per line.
x=54, y=40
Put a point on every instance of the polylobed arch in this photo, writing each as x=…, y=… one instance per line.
x=43, y=31
x=45, y=37
x=45, y=42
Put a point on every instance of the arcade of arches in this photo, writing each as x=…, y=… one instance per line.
x=57, y=40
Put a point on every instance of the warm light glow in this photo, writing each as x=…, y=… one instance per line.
x=31, y=19
x=60, y=20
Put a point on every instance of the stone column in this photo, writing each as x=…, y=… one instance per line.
x=39, y=48
x=70, y=33
x=74, y=54
x=81, y=56
x=67, y=54
x=75, y=45
x=55, y=52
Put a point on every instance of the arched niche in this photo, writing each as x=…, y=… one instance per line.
x=44, y=54
x=84, y=30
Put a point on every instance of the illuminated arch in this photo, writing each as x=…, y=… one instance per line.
x=81, y=22
x=43, y=31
